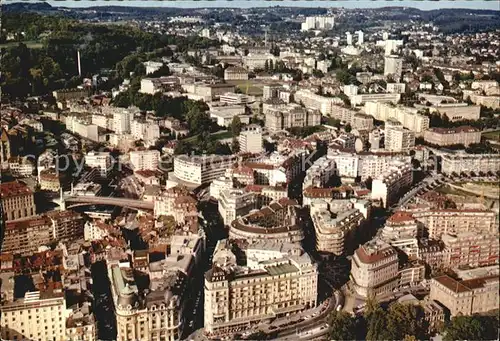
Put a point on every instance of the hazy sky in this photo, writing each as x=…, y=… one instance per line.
x=425, y=4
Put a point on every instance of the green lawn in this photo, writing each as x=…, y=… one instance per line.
x=220, y=135
x=30, y=44
x=492, y=135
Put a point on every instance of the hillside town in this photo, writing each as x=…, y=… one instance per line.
x=271, y=173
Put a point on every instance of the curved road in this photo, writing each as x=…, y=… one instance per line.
x=114, y=201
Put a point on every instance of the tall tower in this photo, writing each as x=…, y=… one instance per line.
x=79, y=64
x=349, y=38
x=361, y=37
x=265, y=37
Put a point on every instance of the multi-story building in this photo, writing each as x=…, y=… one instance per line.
x=39, y=315
x=397, y=138
x=271, y=91
x=470, y=249
x=401, y=231
x=152, y=67
x=396, y=88
x=179, y=203
x=144, y=159
x=335, y=228
x=389, y=185
x=393, y=66
x=235, y=73
x=122, y=120
x=467, y=163
x=17, y=201
x=449, y=136
x=251, y=139
x=158, y=315
x=27, y=235
x=320, y=173
x=234, y=203
x=66, y=225
x=148, y=131
x=254, y=61
x=362, y=122
x=365, y=165
x=70, y=94
x=85, y=129
x=318, y=23
x=374, y=269
x=278, y=221
x=231, y=98
x=272, y=284
x=101, y=161
x=21, y=166
x=457, y=111
x=51, y=180
x=375, y=97
x=407, y=116
x=315, y=101
x=202, y=169
x=292, y=115
x=455, y=221
x=466, y=297
x=103, y=121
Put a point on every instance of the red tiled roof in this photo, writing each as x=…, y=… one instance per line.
x=13, y=189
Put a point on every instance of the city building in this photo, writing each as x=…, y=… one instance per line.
x=393, y=66
x=402, y=231
x=101, y=161
x=470, y=249
x=318, y=23
x=278, y=222
x=27, y=235
x=362, y=122
x=397, y=138
x=315, y=101
x=374, y=97
x=39, y=315
x=51, y=180
x=144, y=159
x=388, y=187
x=320, y=173
x=466, y=297
x=148, y=131
x=122, y=120
x=275, y=282
x=235, y=73
x=17, y=201
x=457, y=111
x=202, y=169
x=336, y=226
x=235, y=203
x=292, y=115
x=465, y=135
x=21, y=166
x=407, y=116
x=455, y=221
x=396, y=88
x=374, y=269
x=250, y=139
x=231, y=98
x=70, y=94
x=468, y=163
x=152, y=67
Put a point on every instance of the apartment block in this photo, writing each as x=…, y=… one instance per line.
x=234, y=203
x=466, y=297
x=470, y=249
x=389, y=185
x=17, y=201
x=144, y=159
x=374, y=269
x=335, y=228
x=397, y=138
x=289, y=116
x=250, y=139
x=314, y=101
x=202, y=169
x=278, y=221
x=408, y=117
x=275, y=282
x=101, y=161
x=449, y=136
x=467, y=163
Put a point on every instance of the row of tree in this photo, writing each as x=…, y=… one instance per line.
x=407, y=322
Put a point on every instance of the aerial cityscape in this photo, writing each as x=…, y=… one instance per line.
x=269, y=171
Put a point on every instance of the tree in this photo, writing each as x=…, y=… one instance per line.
x=183, y=147
x=271, y=65
x=318, y=73
x=236, y=126
x=342, y=326
x=472, y=328
x=162, y=71
x=266, y=66
x=235, y=146
x=348, y=128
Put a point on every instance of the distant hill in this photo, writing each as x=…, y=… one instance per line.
x=41, y=7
